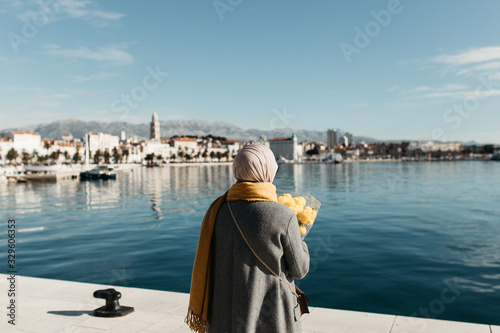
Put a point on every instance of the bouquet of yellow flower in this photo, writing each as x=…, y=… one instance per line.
x=305, y=207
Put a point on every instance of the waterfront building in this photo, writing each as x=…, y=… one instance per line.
x=159, y=149
x=350, y=139
x=262, y=140
x=185, y=143
x=331, y=136
x=287, y=148
x=309, y=145
x=70, y=148
x=430, y=146
x=352, y=153
x=135, y=154
x=214, y=151
x=102, y=141
x=232, y=146
x=67, y=137
x=155, y=128
x=6, y=144
x=345, y=141
x=27, y=141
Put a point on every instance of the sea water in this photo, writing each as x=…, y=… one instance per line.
x=413, y=238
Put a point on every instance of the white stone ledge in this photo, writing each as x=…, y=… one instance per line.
x=51, y=306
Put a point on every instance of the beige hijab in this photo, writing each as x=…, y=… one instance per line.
x=255, y=163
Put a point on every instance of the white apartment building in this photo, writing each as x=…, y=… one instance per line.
x=232, y=146
x=185, y=143
x=331, y=136
x=345, y=141
x=350, y=139
x=27, y=141
x=428, y=146
x=102, y=141
x=159, y=149
x=287, y=148
x=70, y=147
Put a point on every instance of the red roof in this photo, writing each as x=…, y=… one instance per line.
x=4, y=139
x=19, y=132
x=229, y=142
x=66, y=144
x=281, y=139
x=185, y=139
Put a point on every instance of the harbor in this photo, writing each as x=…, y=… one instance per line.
x=370, y=236
x=57, y=172
x=125, y=129
x=49, y=305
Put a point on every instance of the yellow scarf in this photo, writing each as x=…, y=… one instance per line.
x=197, y=316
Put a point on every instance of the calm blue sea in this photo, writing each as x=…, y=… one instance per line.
x=419, y=239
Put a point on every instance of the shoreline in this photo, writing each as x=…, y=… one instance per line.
x=6, y=170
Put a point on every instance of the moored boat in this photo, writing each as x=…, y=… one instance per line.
x=496, y=156
x=281, y=160
x=101, y=172
x=337, y=159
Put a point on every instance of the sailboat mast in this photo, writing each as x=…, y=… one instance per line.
x=86, y=151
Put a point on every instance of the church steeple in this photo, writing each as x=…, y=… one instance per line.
x=155, y=128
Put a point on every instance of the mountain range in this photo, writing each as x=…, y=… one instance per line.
x=168, y=128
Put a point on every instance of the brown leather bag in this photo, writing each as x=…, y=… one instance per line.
x=302, y=299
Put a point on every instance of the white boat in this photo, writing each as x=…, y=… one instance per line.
x=282, y=160
x=496, y=156
x=335, y=158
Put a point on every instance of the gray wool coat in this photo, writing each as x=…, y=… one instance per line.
x=246, y=297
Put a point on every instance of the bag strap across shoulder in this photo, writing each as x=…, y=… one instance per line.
x=256, y=255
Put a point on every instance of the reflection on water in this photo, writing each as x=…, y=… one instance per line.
x=386, y=238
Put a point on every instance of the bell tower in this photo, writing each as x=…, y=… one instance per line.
x=155, y=128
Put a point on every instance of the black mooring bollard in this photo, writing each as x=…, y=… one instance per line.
x=112, y=307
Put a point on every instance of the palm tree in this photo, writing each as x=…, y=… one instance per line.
x=106, y=156
x=212, y=155
x=26, y=157
x=204, y=155
x=11, y=155
x=66, y=155
x=116, y=155
x=125, y=153
x=219, y=155
x=35, y=155
x=97, y=156
x=76, y=157
x=54, y=156
x=180, y=154
x=47, y=146
x=149, y=158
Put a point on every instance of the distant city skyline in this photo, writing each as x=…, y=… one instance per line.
x=392, y=70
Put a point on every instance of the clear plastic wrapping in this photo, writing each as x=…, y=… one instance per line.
x=305, y=206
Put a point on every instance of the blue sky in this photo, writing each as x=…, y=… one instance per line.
x=416, y=69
